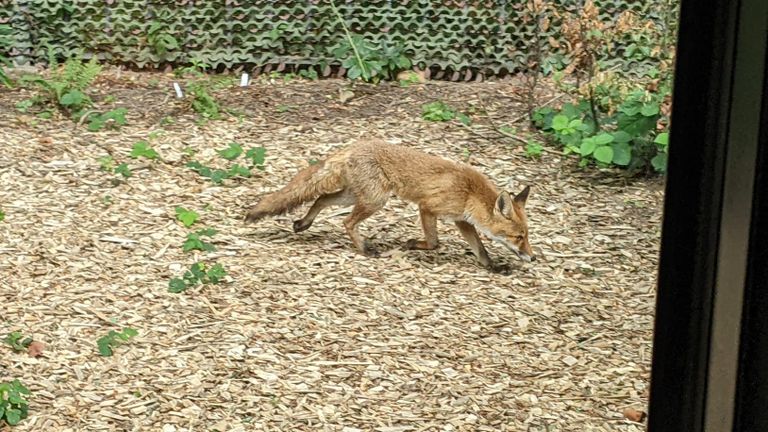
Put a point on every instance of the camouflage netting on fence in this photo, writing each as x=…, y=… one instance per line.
x=456, y=37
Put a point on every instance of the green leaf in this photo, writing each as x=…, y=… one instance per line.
x=622, y=153
x=216, y=273
x=604, y=154
x=232, y=152
x=176, y=285
x=142, y=149
x=559, y=122
x=464, y=119
x=95, y=124
x=13, y=416
x=73, y=97
x=662, y=139
x=218, y=176
x=659, y=162
x=187, y=217
x=123, y=170
x=588, y=146
x=257, y=155
x=636, y=126
x=649, y=109
x=354, y=72
x=238, y=170
x=129, y=332
x=604, y=138
x=2, y=215
x=104, y=345
x=621, y=137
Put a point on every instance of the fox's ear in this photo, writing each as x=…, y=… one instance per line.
x=522, y=197
x=504, y=204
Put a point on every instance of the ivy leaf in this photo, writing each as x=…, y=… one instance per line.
x=232, y=152
x=187, y=217
x=257, y=155
x=123, y=170
x=104, y=346
x=236, y=170
x=142, y=149
x=176, y=285
x=13, y=416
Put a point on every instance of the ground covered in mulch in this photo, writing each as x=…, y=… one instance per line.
x=303, y=333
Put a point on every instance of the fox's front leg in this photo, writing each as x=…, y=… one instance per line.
x=429, y=225
x=470, y=235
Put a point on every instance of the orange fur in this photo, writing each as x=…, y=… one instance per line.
x=368, y=173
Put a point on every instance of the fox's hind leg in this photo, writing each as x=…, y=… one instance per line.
x=360, y=212
x=429, y=225
x=340, y=198
x=470, y=235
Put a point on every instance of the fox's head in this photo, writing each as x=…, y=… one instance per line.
x=508, y=224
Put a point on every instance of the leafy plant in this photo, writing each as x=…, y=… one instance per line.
x=197, y=274
x=160, y=39
x=195, y=242
x=533, y=149
x=203, y=102
x=115, y=117
x=66, y=86
x=257, y=156
x=437, y=111
x=5, y=42
x=2, y=215
x=13, y=407
x=123, y=170
x=142, y=149
x=186, y=217
x=218, y=176
x=107, y=163
x=617, y=117
x=17, y=341
x=113, y=339
x=625, y=138
x=232, y=152
x=363, y=59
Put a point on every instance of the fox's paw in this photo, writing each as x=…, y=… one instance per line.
x=370, y=250
x=411, y=244
x=253, y=215
x=503, y=269
x=299, y=226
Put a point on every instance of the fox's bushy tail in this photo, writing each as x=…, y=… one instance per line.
x=310, y=183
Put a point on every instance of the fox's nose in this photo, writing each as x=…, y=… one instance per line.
x=533, y=258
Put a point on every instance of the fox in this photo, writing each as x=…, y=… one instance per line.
x=366, y=173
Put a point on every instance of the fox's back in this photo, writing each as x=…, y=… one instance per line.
x=417, y=176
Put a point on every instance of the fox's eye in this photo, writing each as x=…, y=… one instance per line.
x=519, y=238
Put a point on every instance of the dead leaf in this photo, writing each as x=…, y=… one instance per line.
x=634, y=415
x=35, y=349
x=345, y=95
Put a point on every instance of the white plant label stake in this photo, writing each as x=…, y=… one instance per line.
x=179, y=93
x=244, y=80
